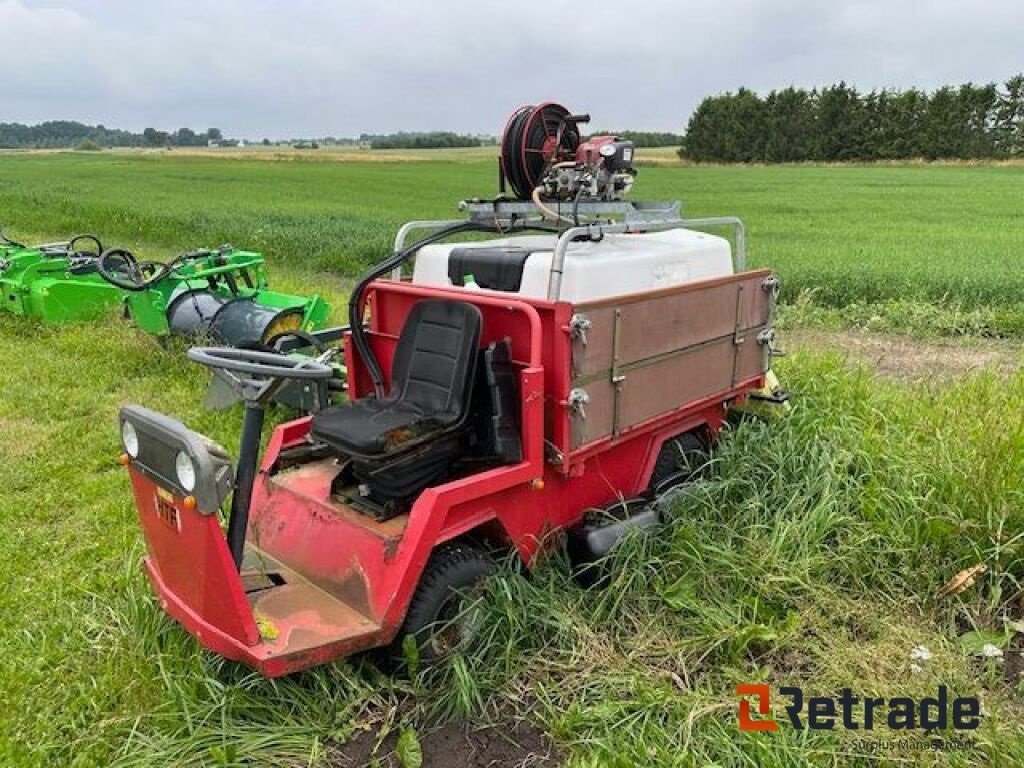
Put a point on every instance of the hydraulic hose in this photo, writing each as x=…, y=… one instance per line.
x=130, y=274
x=356, y=301
x=8, y=241
x=91, y=238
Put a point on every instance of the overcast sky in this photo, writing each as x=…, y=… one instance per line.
x=304, y=68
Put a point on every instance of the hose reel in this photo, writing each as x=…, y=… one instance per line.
x=544, y=155
x=535, y=138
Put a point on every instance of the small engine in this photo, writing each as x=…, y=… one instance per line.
x=543, y=153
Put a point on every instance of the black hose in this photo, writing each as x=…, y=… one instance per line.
x=95, y=240
x=136, y=271
x=576, y=206
x=511, y=146
x=355, y=303
x=9, y=241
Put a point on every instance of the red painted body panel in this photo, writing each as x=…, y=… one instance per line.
x=352, y=577
x=187, y=562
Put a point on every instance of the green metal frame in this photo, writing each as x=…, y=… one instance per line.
x=42, y=285
x=225, y=272
x=52, y=288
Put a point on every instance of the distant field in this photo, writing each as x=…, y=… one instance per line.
x=918, y=245
x=645, y=156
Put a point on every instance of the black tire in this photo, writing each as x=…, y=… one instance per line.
x=454, y=572
x=682, y=459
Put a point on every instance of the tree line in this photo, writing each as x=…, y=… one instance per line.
x=423, y=140
x=645, y=138
x=837, y=123
x=65, y=134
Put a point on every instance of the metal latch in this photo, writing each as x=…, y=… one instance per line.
x=767, y=339
x=578, y=327
x=772, y=285
x=578, y=399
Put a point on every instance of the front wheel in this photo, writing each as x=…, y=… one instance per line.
x=443, y=614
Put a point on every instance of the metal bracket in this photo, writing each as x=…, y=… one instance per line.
x=737, y=334
x=553, y=455
x=503, y=211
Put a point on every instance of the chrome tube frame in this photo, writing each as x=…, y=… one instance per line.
x=596, y=231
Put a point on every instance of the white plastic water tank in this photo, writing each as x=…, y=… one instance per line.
x=617, y=265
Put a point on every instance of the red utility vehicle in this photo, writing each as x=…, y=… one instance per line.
x=500, y=395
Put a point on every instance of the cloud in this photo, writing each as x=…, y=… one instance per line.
x=262, y=68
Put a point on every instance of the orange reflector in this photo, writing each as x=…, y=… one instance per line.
x=124, y=459
x=189, y=503
x=537, y=484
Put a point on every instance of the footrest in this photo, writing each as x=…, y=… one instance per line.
x=301, y=624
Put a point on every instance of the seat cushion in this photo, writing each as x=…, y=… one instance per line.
x=431, y=386
x=371, y=427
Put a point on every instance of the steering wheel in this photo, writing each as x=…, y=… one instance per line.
x=264, y=365
x=83, y=254
x=119, y=267
x=256, y=375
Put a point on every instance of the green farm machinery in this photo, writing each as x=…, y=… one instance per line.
x=220, y=294
x=55, y=282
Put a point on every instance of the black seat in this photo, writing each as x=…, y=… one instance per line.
x=431, y=387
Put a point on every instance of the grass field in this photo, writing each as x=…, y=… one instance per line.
x=924, y=248
x=811, y=557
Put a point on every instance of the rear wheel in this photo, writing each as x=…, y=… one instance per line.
x=442, y=616
x=682, y=459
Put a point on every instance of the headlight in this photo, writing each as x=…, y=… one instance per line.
x=186, y=471
x=130, y=438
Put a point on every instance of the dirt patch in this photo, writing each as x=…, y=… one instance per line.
x=908, y=358
x=517, y=744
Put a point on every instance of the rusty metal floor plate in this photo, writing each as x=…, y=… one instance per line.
x=298, y=619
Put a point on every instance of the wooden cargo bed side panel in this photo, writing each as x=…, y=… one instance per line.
x=670, y=319
x=670, y=349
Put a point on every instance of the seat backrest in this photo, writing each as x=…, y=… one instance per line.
x=435, y=358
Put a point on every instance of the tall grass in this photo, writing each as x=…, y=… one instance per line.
x=811, y=556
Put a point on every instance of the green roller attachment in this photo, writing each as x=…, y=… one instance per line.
x=221, y=295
